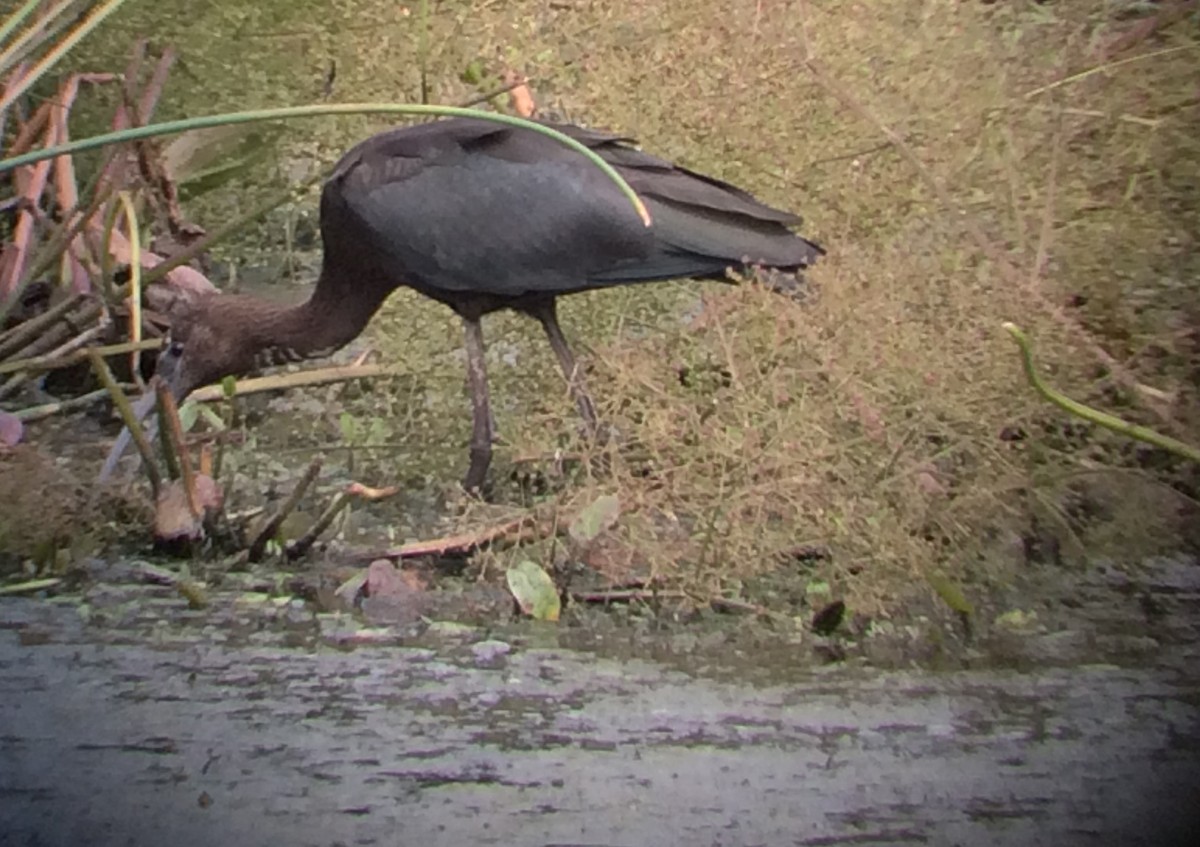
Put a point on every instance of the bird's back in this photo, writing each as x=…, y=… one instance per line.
x=461, y=207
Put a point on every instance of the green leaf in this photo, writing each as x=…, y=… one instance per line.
x=349, y=427
x=188, y=413
x=951, y=594
x=593, y=519
x=818, y=588
x=473, y=73
x=211, y=417
x=534, y=590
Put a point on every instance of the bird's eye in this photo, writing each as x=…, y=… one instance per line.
x=175, y=348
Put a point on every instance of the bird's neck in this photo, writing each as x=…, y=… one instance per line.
x=340, y=308
x=332, y=317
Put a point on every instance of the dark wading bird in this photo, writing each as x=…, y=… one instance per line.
x=482, y=216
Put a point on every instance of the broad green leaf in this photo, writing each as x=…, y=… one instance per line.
x=534, y=590
x=188, y=413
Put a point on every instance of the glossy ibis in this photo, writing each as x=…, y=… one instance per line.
x=482, y=216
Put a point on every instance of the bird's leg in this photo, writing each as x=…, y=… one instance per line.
x=481, y=430
x=547, y=314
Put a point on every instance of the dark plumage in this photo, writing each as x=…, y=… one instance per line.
x=481, y=217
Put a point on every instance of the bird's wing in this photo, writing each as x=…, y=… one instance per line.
x=462, y=206
x=703, y=225
x=467, y=206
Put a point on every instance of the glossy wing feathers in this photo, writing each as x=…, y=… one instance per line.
x=702, y=225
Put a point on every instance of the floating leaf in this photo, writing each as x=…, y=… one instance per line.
x=951, y=594
x=593, y=519
x=534, y=590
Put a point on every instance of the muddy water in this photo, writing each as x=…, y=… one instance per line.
x=166, y=738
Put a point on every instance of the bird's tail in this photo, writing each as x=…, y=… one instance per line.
x=704, y=226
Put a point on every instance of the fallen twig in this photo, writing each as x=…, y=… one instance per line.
x=70, y=346
x=626, y=595
x=45, y=344
x=369, y=494
x=513, y=531
x=28, y=587
x=74, y=345
x=54, y=362
x=316, y=376
x=56, y=335
x=46, y=410
x=19, y=336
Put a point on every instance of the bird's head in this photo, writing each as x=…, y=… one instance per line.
x=211, y=339
x=217, y=336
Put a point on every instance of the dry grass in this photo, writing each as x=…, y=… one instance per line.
x=875, y=419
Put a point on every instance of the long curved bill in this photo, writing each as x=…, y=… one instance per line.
x=141, y=412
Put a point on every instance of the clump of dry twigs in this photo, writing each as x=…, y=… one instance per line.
x=69, y=245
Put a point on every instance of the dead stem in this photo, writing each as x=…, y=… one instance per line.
x=58, y=360
x=304, y=543
x=46, y=410
x=270, y=528
x=510, y=532
x=175, y=450
x=316, y=376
